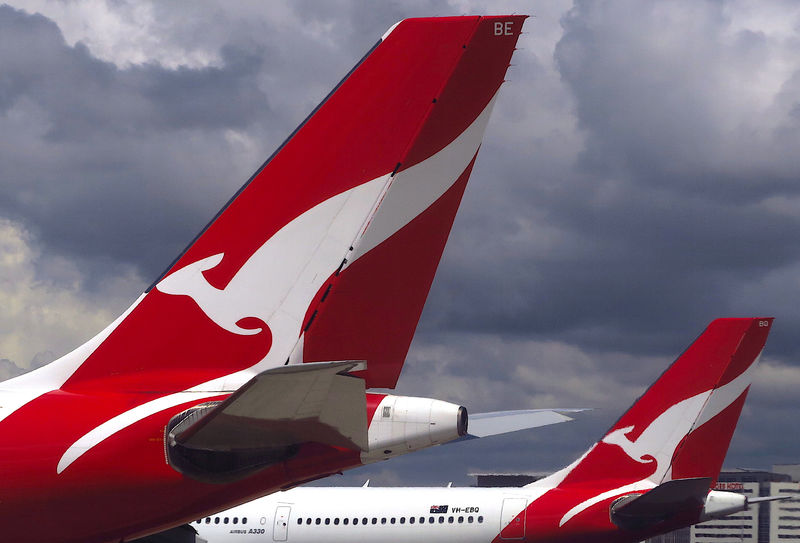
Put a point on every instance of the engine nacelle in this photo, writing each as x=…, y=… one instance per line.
x=720, y=504
x=402, y=424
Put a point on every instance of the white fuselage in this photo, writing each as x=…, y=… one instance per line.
x=344, y=515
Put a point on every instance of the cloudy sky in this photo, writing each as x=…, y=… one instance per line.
x=640, y=177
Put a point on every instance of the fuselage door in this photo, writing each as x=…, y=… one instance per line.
x=512, y=518
x=281, y=528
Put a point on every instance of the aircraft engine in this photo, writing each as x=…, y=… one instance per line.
x=402, y=424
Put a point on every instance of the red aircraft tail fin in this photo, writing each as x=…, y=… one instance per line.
x=682, y=425
x=328, y=251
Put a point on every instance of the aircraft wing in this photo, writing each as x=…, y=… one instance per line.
x=317, y=402
x=502, y=422
x=267, y=419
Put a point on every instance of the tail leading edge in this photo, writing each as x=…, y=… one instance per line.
x=328, y=252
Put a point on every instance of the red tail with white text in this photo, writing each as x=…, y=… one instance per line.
x=653, y=470
x=243, y=368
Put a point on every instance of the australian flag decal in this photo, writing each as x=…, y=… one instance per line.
x=439, y=508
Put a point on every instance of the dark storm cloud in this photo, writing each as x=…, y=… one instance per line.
x=124, y=165
x=660, y=218
x=677, y=100
x=101, y=161
x=355, y=19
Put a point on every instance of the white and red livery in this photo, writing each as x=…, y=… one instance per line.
x=243, y=369
x=651, y=473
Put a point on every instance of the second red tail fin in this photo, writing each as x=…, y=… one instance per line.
x=682, y=425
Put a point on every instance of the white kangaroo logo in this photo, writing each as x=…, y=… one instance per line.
x=279, y=280
x=661, y=437
x=658, y=441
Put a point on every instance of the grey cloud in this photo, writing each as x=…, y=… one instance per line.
x=117, y=165
x=677, y=97
x=656, y=218
x=8, y=369
x=88, y=99
x=357, y=19
x=124, y=165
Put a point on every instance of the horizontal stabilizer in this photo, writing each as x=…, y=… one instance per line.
x=720, y=504
x=759, y=499
x=285, y=406
x=503, y=422
x=676, y=497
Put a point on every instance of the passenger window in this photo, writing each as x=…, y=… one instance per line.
x=374, y=520
x=208, y=520
x=299, y=521
x=244, y=520
x=402, y=520
x=391, y=520
x=319, y=520
x=450, y=520
x=308, y=520
x=327, y=521
x=383, y=520
x=345, y=520
x=441, y=520
x=460, y=520
x=216, y=520
x=480, y=519
x=236, y=520
x=364, y=520
x=411, y=520
x=336, y=521
x=225, y=520
x=470, y=519
x=430, y=519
